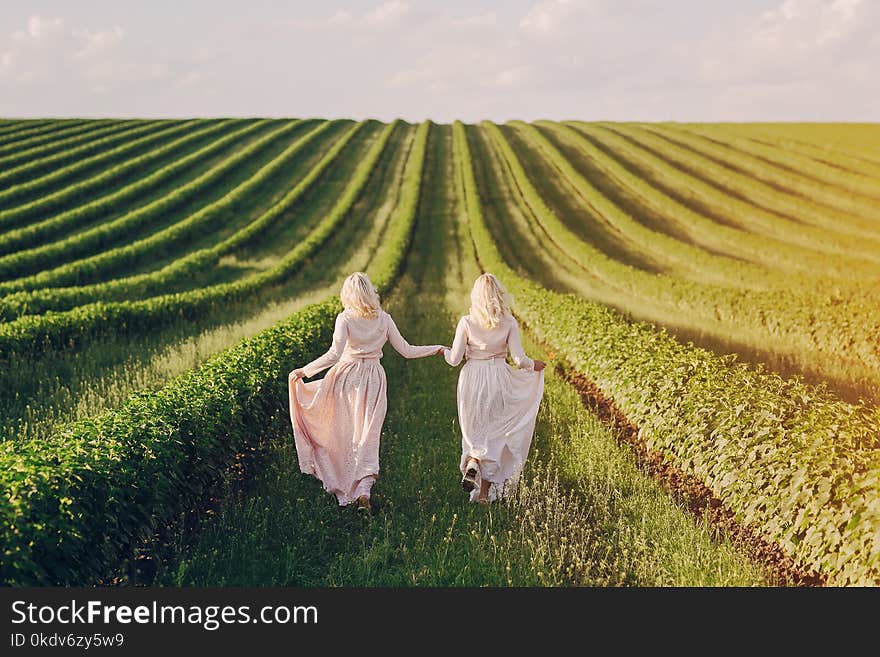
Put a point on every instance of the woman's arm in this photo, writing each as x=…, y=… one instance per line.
x=340, y=337
x=514, y=343
x=406, y=349
x=453, y=356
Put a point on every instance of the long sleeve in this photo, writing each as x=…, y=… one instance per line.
x=517, y=353
x=340, y=337
x=459, y=344
x=403, y=347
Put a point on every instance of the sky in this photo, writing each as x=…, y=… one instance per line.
x=645, y=60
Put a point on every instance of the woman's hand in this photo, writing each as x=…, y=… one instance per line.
x=540, y=365
x=440, y=350
x=296, y=374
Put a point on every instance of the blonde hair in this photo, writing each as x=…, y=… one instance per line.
x=490, y=302
x=359, y=296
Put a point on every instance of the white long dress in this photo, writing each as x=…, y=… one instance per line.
x=497, y=404
x=337, y=420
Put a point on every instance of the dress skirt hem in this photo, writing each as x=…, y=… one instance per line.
x=337, y=422
x=497, y=409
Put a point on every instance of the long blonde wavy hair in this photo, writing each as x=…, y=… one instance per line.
x=490, y=302
x=359, y=296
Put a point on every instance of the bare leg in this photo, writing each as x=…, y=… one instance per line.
x=484, y=490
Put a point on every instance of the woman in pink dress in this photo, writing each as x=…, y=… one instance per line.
x=337, y=420
x=497, y=404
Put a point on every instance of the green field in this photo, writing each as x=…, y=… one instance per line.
x=707, y=297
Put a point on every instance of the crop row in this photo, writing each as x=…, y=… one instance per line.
x=102, y=264
x=132, y=287
x=818, y=153
x=32, y=162
x=41, y=146
x=713, y=185
x=10, y=126
x=842, y=331
x=74, y=217
x=791, y=461
x=848, y=191
x=119, y=145
x=76, y=505
x=705, y=299
x=859, y=142
x=742, y=176
x=651, y=189
x=26, y=134
x=682, y=258
x=31, y=334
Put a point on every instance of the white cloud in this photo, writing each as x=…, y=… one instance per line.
x=51, y=51
x=460, y=55
x=637, y=59
x=387, y=14
x=805, y=24
x=477, y=20
x=99, y=43
x=796, y=39
x=49, y=47
x=40, y=28
x=190, y=79
x=549, y=16
x=341, y=17
x=384, y=16
x=512, y=77
x=553, y=18
x=202, y=54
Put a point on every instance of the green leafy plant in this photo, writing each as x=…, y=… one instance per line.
x=74, y=505
x=799, y=466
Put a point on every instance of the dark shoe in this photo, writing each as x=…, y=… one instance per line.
x=469, y=480
x=363, y=506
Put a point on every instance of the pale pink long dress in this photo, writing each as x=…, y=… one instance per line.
x=337, y=420
x=497, y=404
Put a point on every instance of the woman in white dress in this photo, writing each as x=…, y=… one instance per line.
x=337, y=420
x=497, y=404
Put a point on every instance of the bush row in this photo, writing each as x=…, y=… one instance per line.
x=693, y=260
x=120, y=145
x=14, y=136
x=794, y=463
x=36, y=302
x=118, y=197
x=766, y=210
x=99, y=265
x=649, y=189
x=841, y=332
x=817, y=151
x=800, y=177
x=19, y=165
x=397, y=238
x=33, y=334
x=76, y=505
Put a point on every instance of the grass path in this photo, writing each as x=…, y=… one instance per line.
x=584, y=515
